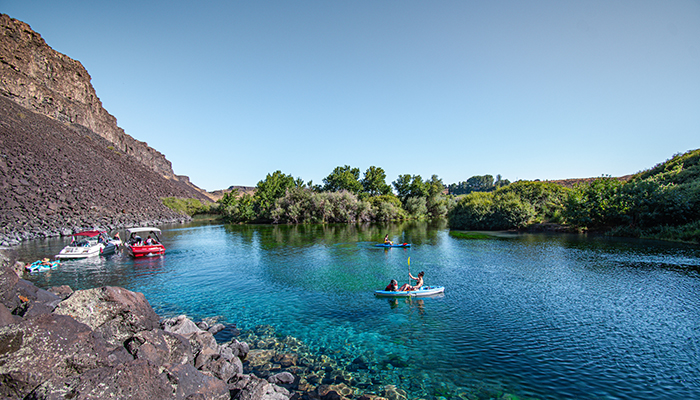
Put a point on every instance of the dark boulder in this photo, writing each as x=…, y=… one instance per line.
x=6, y=316
x=47, y=347
x=136, y=379
x=160, y=347
x=8, y=294
x=188, y=380
x=114, y=312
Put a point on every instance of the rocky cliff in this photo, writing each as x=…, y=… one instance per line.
x=42, y=80
x=56, y=179
x=64, y=164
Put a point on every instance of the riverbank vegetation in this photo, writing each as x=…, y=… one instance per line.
x=343, y=197
x=660, y=203
x=186, y=206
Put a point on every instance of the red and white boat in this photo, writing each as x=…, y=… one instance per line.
x=137, y=246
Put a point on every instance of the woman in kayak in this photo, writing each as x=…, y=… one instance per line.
x=419, y=282
x=386, y=239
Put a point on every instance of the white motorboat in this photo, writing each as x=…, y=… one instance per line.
x=88, y=244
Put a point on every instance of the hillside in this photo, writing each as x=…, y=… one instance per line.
x=570, y=183
x=681, y=169
x=64, y=163
x=55, y=177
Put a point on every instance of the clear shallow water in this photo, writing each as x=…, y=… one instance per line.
x=535, y=316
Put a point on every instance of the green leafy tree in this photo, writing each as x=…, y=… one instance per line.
x=269, y=190
x=374, y=182
x=235, y=208
x=597, y=204
x=480, y=183
x=410, y=186
x=435, y=186
x=294, y=207
x=548, y=199
x=500, y=182
x=510, y=211
x=418, y=188
x=416, y=207
x=343, y=178
x=473, y=212
x=402, y=185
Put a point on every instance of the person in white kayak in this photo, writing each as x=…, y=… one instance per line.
x=419, y=282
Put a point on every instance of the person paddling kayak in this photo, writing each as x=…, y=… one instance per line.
x=419, y=282
x=386, y=240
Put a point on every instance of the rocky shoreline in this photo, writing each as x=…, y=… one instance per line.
x=58, y=230
x=108, y=342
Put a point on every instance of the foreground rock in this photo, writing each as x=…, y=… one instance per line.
x=108, y=343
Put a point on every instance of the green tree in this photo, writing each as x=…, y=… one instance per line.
x=386, y=208
x=402, y=185
x=480, y=183
x=269, y=190
x=500, y=182
x=473, y=212
x=547, y=198
x=418, y=188
x=597, y=204
x=343, y=178
x=374, y=182
x=235, y=208
x=510, y=211
x=416, y=207
x=435, y=186
x=411, y=186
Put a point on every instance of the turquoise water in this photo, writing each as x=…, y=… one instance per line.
x=532, y=316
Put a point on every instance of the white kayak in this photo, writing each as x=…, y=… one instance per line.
x=422, y=292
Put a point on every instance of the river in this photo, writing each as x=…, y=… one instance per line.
x=523, y=315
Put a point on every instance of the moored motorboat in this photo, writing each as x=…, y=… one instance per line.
x=139, y=247
x=87, y=244
x=424, y=291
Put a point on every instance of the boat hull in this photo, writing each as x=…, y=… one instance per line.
x=76, y=253
x=393, y=245
x=422, y=292
x=146, y=251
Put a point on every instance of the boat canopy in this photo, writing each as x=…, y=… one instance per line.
x=145, y=229
x=88, y=233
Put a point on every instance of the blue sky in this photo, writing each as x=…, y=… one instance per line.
x=230, y=91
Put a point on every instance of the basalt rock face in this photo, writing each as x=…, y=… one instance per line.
x=65, y=165
x=57, y=179
x=45, y=81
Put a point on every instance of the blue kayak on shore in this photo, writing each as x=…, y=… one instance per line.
x=422, y=292
x=393, y=245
